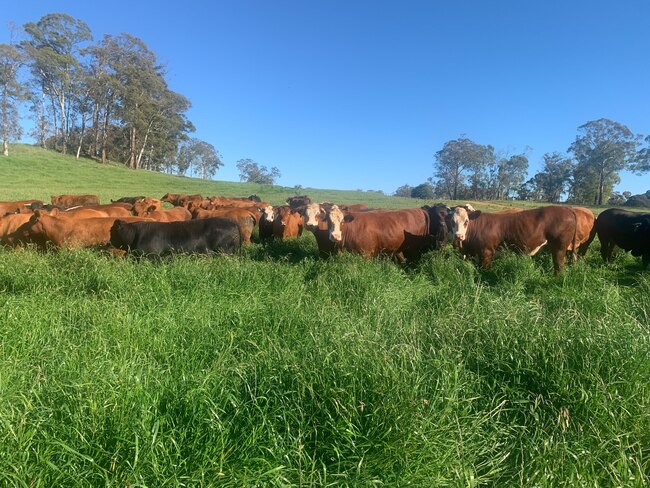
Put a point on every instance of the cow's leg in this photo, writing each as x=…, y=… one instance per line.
x=645, y=260
x=485, y=259
x=559, y=259
x=606, y=248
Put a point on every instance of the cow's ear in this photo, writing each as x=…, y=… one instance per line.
x=474, y=215
x=348, y=218
x=54, y=212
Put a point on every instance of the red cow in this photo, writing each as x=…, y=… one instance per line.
x=402, y=233
x=287, y=222
x=480, y=233
x=67, y=201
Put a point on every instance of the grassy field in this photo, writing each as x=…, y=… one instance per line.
x=277, y=368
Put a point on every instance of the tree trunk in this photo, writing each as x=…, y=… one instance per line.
x=81, y=137
x=132, y=149
x=64, y=131
x=105, y=132
x=144, y=144
x=5, y=123
x=41, y=123
x=95, y=133
x=601, y=186
x=55, y=119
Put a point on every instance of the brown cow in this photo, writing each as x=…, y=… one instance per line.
x=218, y=202
x=287, y=223
x=584, y=223
x=68, y=201
x=246, y=218
x=315, y=215
x=143, y=205
x=178, y=199
x=65, y=231
x=357, y=207
x=176, y=214
x=401, y=233
x=108, y=210
x=19, y=206
x=194, y=204
x=480, y=233
x=10, y=224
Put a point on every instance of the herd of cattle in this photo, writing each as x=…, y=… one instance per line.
x=195, y=224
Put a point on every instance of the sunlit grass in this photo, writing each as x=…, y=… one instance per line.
x=264, y=369
x=277, y=368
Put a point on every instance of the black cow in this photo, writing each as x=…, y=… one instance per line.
x=622, y=228
x=130, y=200
x=204, y=236
x=298, y=201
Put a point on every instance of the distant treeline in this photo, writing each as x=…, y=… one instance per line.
x=585, y=174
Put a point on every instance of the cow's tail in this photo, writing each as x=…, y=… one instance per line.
x=585, y=245
x=574, y=251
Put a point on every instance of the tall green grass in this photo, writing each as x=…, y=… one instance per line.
x=277, y=368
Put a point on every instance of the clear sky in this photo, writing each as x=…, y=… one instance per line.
x=361, y=94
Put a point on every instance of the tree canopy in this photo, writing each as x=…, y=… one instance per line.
x=252, y=172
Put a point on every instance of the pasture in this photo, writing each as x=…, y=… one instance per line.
x=277, y=368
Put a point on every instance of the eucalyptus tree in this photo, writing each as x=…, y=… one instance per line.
x=555, y=177
x=602, y=149
x=148, y=112
x=199, y=155
x=252, y=172
x=459, y=159
x=53, y=48
x=12, y=92
x=507, y=174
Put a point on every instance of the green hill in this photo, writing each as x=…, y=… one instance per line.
x=32, y=172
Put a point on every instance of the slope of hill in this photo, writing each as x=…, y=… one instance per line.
x=32, y=172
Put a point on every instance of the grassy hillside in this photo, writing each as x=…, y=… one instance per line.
x=278, y=368
x=32, y=172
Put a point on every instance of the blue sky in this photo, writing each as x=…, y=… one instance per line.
x=347, y=95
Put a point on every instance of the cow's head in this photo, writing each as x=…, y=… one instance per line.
x=267, y=213
x=458, y=221
x=335, y=219
x=121, y=235
x=313, y=214
x=642, y=228
x=438, y=215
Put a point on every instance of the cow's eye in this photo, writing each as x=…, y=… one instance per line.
x=466, y=222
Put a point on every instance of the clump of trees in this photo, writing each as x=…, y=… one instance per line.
x=465, y=169
x=107, y=100
x=252, y=172
x=585, y=174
